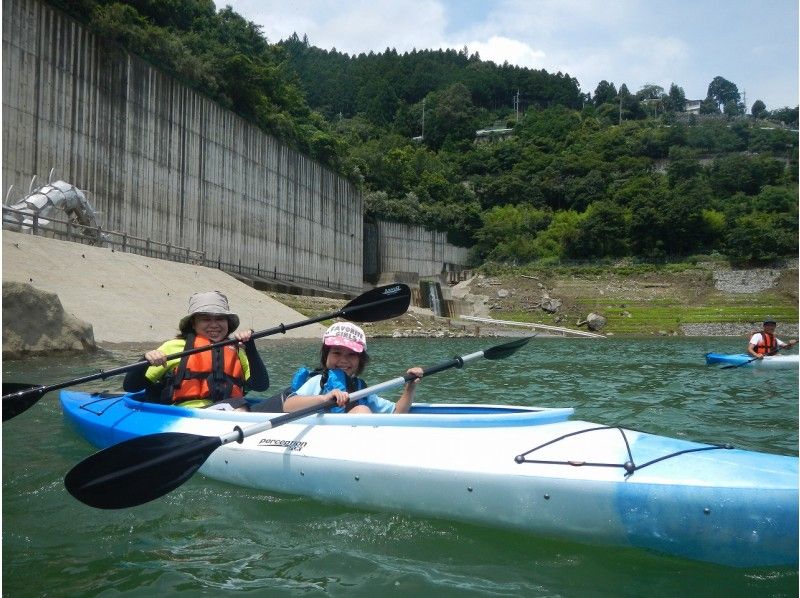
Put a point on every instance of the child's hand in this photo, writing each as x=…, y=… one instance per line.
x=416, y=372
x=340, y=396
x=155, y=357
x=243, y=335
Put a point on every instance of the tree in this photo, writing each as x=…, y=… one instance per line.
x=709, y=106
x=785, y=115
x=508, y=231
x=631, y=108
x=451, y=116
x=759, y=109
x=760, y=237
x=650, y=91
x=559, y=236
x=683, y=165
x=605, y=93
x=722, y=92
x=602, y=232
x=733, y=108
x=675, y=100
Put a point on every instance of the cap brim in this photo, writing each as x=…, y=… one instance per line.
x=338, y=341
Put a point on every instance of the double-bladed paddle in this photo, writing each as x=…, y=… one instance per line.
x=142, y=469
x=377, y=304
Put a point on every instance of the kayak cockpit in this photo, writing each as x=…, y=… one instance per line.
x=420, y=415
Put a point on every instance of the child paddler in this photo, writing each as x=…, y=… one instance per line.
x=343, y=358
x=217, y=378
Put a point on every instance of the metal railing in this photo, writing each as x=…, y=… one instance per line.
x=70, y=230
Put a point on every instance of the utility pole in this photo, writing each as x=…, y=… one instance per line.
x=423, y=119
x=620, y=109
x=516, y=105
x=744, y=101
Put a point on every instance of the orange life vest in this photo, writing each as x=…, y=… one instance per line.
x=767, y=345
x=215, y=374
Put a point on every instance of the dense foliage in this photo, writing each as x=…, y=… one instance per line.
x=562, y=175
x=220, y=54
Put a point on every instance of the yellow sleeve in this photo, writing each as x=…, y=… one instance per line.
x=245, y=364
x=156, y=372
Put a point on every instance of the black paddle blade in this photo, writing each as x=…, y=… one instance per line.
x=378, y=304
x=737, y=365
x=139, y=470
x=506, y=349
x=13, y=403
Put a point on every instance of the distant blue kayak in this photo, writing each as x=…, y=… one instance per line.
x=745, y=360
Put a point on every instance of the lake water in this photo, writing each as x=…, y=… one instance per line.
x=210, y=538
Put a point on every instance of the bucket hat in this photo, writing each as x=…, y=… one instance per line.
x=209, y=302
x=345, y=334
x=769, y=320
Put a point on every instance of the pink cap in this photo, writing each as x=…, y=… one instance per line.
x=345, y=334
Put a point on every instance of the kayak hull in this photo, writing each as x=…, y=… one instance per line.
x=525, y=469
x=745, y=360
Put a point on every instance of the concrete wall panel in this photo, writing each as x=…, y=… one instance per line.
x=161, y=161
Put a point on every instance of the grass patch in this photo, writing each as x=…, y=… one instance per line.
x=662, y=315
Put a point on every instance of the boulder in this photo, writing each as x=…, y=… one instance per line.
x=35, y=323
x=595, y=321
x=550, y=305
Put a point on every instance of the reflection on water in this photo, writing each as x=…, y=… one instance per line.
x=208, y=537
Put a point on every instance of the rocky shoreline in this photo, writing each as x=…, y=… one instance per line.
x=111, y=299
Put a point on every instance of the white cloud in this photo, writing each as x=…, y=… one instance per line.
x=501, y=49
x=687, y=42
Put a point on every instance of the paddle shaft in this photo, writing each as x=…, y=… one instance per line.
x=238, y=434
x=345, y=312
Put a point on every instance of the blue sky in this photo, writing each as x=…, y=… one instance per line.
x=752, y=43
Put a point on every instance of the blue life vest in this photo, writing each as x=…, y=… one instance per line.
x=331, y=380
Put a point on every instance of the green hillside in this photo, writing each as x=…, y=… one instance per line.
x=557, y=173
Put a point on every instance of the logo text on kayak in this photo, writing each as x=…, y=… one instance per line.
x=292, y=445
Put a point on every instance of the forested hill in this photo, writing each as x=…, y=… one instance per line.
x=380, y=86
x=573, y=175
x=562, y=174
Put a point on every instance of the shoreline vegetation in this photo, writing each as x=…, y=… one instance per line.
x=703, y=297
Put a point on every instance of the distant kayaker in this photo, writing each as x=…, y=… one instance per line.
x=343, y=358
x=216, y=378
x=765, y=343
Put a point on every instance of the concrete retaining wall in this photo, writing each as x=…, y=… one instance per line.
x=404, y=248
x=162, y=161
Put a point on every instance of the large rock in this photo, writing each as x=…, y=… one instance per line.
x=550, y=305
x=595, y=321
x=35, y=323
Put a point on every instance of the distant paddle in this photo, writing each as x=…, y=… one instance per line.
x=142, y=469
x=377, y=304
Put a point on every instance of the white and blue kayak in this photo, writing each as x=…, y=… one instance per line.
x=746, y=360
x=528, y=469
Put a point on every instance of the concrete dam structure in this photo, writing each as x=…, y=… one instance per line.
x=162, y=162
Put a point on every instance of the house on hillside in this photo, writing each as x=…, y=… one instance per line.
x=495, y=133
x=693, y=106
